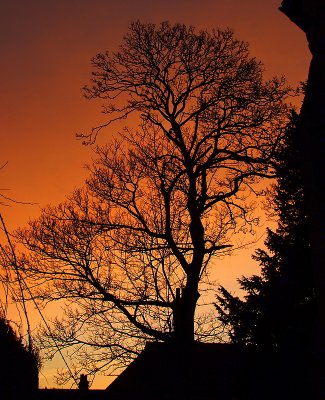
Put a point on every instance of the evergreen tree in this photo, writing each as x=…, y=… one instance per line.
x=18, y=365
x=278, y=309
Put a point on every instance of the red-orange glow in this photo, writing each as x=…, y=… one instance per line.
x=46, y=47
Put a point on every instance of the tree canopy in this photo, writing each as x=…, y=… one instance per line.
x=127, y=253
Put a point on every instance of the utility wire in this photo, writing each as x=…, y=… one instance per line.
x=22, y=281
x=19, y=281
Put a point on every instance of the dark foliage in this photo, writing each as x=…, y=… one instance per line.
x=18, y=365
x=278, y=309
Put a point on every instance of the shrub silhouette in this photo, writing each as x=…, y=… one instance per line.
x=18, y=365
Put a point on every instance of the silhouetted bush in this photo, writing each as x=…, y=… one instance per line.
x=18, y=365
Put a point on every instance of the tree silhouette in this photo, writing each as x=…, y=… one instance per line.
x=278, y=309
x=129, y=251
x=19, y=365
x=309, y=16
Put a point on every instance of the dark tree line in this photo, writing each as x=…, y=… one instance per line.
x=309, y=16
x=278, y=308
x=276, y=317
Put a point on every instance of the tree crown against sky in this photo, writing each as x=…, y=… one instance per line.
x=164, y=197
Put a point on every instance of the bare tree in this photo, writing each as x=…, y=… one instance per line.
x=128, y=252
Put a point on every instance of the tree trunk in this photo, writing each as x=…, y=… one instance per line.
x=184, y=313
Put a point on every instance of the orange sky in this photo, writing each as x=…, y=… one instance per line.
x=46, y=46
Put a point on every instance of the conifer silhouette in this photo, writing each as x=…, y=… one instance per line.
x=278, y=309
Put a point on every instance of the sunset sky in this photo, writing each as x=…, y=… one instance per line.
x=46, y=47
